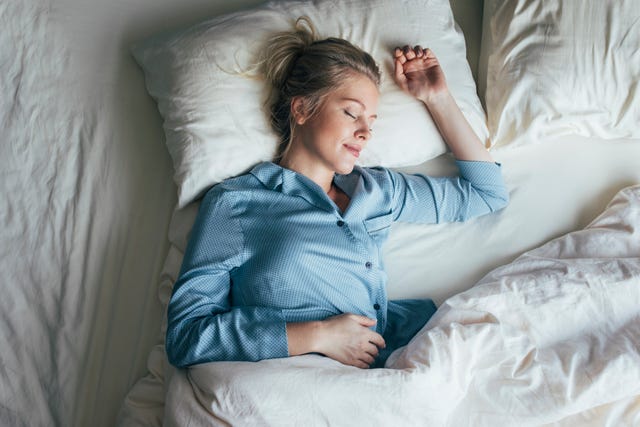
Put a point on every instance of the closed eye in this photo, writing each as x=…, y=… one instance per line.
x=352, y=116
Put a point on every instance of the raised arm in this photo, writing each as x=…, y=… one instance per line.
x=480, y=188
x=418, y=73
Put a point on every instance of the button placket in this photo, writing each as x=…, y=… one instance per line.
x=340, y=223
x=368, y=260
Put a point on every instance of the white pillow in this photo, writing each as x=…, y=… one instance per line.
x=559, y=67
x=214, y=120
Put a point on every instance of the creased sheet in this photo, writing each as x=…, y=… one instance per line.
x=86, y=196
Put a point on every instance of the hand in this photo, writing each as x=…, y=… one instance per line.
x=348, y=339
x=418, y=73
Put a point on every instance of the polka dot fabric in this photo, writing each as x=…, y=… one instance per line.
x=271, y=247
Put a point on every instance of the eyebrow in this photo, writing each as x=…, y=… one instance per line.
x=374, y=116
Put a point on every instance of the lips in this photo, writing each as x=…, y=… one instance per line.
x=353, y=149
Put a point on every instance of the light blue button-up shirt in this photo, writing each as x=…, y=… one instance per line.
x=271, y=247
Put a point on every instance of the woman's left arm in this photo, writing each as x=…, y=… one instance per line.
x=418, y=72
x=480, y=188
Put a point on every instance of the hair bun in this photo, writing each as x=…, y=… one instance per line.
x=284, y=49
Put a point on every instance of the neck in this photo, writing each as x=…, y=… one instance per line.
x=312, y=170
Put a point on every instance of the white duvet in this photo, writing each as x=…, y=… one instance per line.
x=551, y=338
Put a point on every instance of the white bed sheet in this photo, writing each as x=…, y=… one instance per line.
x=86, y=200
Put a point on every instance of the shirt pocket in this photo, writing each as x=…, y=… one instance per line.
x=378, y=227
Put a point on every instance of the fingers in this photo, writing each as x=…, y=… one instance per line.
x=398, y=71
x=399, y=55
x=377, y=340
x=363, y=320
x=371, y=343
x=408, y=53
x=372, y=337
x=362, y=365
x=366, y=357
x=351, y=341
x=398, y=74
x=372, y=348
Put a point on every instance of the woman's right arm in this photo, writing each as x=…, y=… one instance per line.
x=203, y=326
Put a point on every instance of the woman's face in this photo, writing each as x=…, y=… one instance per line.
x=341, y=128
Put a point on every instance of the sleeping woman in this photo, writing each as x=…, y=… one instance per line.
x=286, y=259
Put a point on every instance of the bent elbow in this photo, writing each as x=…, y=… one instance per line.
x=494, y=200
x=174, y=350
x=174, y=358
x=500, y=201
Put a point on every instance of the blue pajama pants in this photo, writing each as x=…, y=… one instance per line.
x=404, y=319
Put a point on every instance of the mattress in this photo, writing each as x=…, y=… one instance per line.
x=92, y=239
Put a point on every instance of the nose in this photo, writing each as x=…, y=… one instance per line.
x=363, y=133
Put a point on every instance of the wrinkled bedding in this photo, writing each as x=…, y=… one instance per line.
x=580, y=176
x=86, y=197
x=89, y=249
x=552, y=337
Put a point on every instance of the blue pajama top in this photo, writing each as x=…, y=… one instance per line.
x=270, y=247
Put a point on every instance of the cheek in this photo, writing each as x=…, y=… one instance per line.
x=329, y=130
x=332, y=130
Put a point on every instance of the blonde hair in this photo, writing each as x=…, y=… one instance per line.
x=297, y=64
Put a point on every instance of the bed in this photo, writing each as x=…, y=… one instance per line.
x=105, y=109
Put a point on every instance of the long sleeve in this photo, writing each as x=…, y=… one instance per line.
x=202, y=324
x=478, y=190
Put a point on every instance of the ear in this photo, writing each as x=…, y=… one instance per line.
x=299, y=110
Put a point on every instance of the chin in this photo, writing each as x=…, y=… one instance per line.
x=345, y=169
